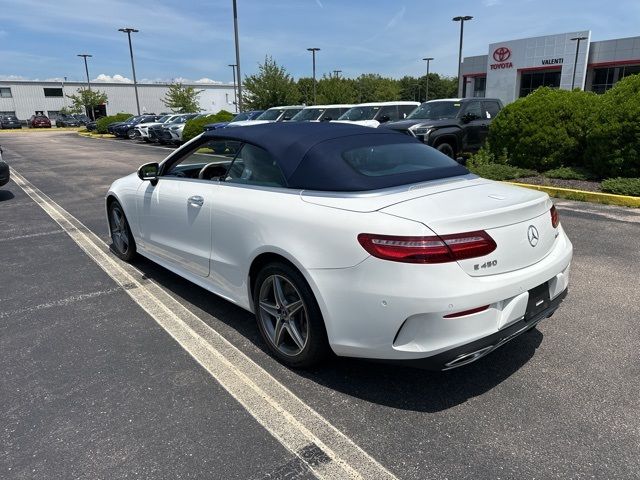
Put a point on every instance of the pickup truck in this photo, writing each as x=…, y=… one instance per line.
x=453, y=125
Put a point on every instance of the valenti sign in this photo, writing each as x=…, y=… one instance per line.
x=501, y=55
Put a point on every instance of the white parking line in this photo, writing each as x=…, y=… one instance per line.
x=328, y=452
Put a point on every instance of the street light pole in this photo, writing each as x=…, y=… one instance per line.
x=313, y=51
x=337, y=73
x=235, y=97
x=426, y=95
x=86, y=67
x=235, y=29
x=129, y=31
x=575, y=61
x=463, y=19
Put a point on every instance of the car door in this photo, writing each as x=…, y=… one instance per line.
x=175, y=213
x=474, y=123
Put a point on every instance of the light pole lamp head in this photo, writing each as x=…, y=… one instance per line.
x=578, y=38
x=313, y=49
x=232, y=65
x=85, y=55
x=464, y=18
x=128, y=30
x=427, y=59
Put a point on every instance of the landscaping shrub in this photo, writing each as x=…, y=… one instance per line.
x=195, y=126
x=622, y=186
x=570, y=173
x=102, y=123
x=613, y=147
x=496, y=171
x=544, y=130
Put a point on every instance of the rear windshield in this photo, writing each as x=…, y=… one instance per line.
x=392, y=159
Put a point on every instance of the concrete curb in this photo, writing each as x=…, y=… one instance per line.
x=585, y=196
x=96, y=135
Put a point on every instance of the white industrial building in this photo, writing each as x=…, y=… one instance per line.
x=514, y=68
x=24, y=98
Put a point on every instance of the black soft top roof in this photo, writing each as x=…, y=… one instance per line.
x=310, y=154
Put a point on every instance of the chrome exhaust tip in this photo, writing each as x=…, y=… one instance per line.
x=467, y=358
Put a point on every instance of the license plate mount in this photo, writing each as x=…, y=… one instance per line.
x=539, y=300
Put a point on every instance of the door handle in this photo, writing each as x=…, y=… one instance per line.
x=196, y=201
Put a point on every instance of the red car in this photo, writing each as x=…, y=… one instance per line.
x=39, y=121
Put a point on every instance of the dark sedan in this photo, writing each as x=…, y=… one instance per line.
x=67, y=121
x=127, y=130
x=9, y=121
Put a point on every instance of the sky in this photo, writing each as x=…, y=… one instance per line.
x=192, y=40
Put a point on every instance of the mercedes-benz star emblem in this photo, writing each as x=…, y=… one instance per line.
x=533, y=236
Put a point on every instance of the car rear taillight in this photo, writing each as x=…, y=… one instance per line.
x=555, y=217
x=467, y=312
x=431, y=249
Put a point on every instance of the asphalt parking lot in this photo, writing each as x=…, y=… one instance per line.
x=91, y=386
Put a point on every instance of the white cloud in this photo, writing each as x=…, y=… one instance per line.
x=396, y=18
x=208, y=80
x=491, y=3
x=12, y=77
x=117, y=78
x=319, y=3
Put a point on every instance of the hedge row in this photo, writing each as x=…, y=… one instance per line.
x=102, y=123
x=552, y=128
x=195, y=126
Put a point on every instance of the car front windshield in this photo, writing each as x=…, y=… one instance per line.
x=436, y=111
x=241, y=116
x=271, y=114
x=360, y=113
x=163, y=119
x=307, y=114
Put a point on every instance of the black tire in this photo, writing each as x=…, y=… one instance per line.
x=447, y=149
x=131, y=134
x=123, y=244
x=316, y=345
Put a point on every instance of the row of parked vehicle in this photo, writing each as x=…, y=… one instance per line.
x=42, y=121
x=453, y=126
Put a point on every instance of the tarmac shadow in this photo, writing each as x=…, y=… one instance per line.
x=6, y=195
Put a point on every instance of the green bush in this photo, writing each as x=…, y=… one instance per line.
x=569, y=173
x=614, y=142
x=195, y=126
x=622, y=186
x=496, y=171
x=102, y=123
x=544, y=130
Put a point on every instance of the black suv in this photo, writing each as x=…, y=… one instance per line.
x=9, y=121
x=452, y=126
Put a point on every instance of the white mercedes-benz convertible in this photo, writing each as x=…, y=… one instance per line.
x=349, y=239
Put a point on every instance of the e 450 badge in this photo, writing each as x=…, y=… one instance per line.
x=489, y=264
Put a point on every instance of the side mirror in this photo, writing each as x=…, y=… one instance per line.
x=149, y=171
x=468, y=117
x=384, y=118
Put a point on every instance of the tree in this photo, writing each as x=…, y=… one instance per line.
x=372, y=87
x=87, y=100
x=181, y=99
x=305, y=89
x=415, y=89
x=336, y=90
x=270, y=87
x=70, y=110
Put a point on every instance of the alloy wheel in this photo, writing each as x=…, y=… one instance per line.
x=119, y=232
x=283, y=315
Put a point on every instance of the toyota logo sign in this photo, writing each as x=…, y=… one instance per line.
x=501, y=54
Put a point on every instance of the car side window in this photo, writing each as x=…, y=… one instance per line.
x=388, y=113
x=491, y=109
x=254, y=166
x=474, y=112
x=405, y=110
x=217, y=155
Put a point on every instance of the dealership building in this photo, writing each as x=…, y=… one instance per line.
x=24, y=98
x=514, y=68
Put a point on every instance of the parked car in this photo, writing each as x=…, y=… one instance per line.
x=343, y=238
x=373, y=114
x=39, y=121
x=127, y=129
x=91, y=126
x=453, y=126
x=272, y=115
x=67, y=121
x=113, y=125
x=5, y=174
x=9, y=121
x=142, y=129
x=81, y=118
x=251, y=115
x=320, y=113
x=171, y=132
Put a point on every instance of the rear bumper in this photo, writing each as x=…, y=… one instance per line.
x=470, y=352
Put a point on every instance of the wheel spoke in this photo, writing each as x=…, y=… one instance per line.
x=277, y=332
x=269, y=308
x=293, y=332
x=278, y=294
x=294, y=307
